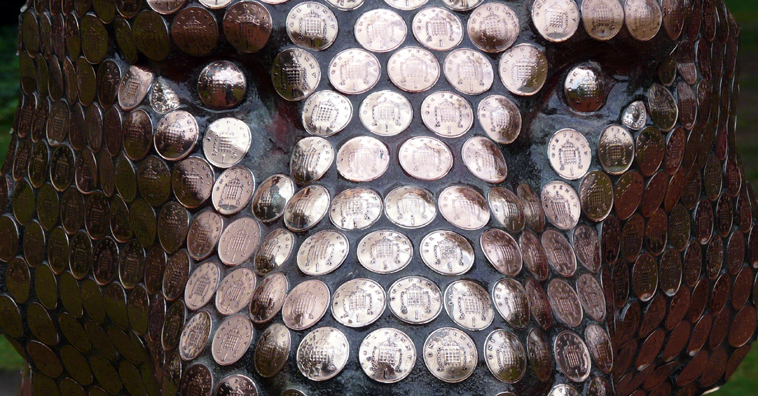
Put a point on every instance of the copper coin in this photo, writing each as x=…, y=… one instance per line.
x=247, y=26
x=324, y=341
x=561, y=204
x=322, y=252
x=201, y=285
x=268, y=297
x=556, y=21
x=565, y=302
x=502, y=251
x=560, y=254
x=306, y=304
x=233, y=190
x=203, y=234
x=176, y=135
x=192, y=181
x=195, y=31
x=312, y=25
x=572, y=356
x=197, y=380
x=591, y=296
x=585, y=88
x=600, y=347
x=358, y=302
x=587, y=247
x=446, y=38
x=538, y=352
x=238, y=241
x=628, y=194
x=450, y=354
x=222, y=85
x=468, y=305
x=195, y=336
x=295, y=74
x=596, y=195
x=511, y=301
x=232, y=339
x=534, y=255
x=539, y=304
x=272, y=350
x=615, y=149
x=493, y=40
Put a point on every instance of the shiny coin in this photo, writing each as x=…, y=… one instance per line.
x=464, y=207
x=591, y=296
x=192, y=181
x=226, y=142
x=437, y=29
x=176, y=135
x=195, y=336
x=425, y=158
x=238, y=241
x=596, y=195
x=600, y=347
x=556, y=20
x=413, y=69
x=363, y=159
x=354, y=71
x=356, y=209
x=643, y=18
x=560, y=255
x=410, y=207
x=247, y=26
x=502, y=251
x=272, y=197
x=511, y=302
x=507, y=208
x=523, y=69
x=469, y=305
x=305, y=305
x=561, y=205
x=569, y=153
x=634, y=116
x=167, y=7
x=237, y=385
x=662, y=105
x=175, y=275
x=343, y=5
x=232, y=339
x=602, y=19
x=272, y=350
x=505, y=356
x=585, y=88
x=358, y=302
x=322, y=253
x=461, y=5
x=203, y=234
x=534, y=255
x=645, y=277
x=447, y=252
x=380, y=30
x=306, y=208
x=385, y=251
x=215, y=4
x=163, y=98
x=295, y=74
x=268, y=297
x=615, y=149
x=387, y=355
x=469, y=71
x=274, y=251
x=323, y=353
x=221, y=85
x=406, y=5
x=450, y=354
x=195, y=31
x=565, y=302
x=326, y=113
x=447, y=114
x=235, y=291
x=415, y=300
x=493, y=27
x=201, y=285
x=484, y=159
x=311, y=159
x=572, y=356
x=312, y=25
x=500, y=118
x=385, y=113
x=233, y=190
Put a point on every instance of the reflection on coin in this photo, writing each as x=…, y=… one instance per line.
x=387, y=355
x=222, y=85
x=523, y=69
x=268, y=298
x=615, y=149
x=600, y=347
x=413, y=69
x=563, y=390
x=356, y=209
x=662, y=105
x=484, y=159
x=380, y=30
x=306, y=208
x=326, y=113
x=272, y=196
x=556, y=20
x=560, y=255
x=635, y=115
x=385, y=113
x=410, y=207
x=507, y=208
x=569, y=153
x=232, y=339
x=204, y=233
x=643, y=18
x=237, y=385
x=596, y=195
x=450, y=354
x=226, y=142
x=500, y=118
x=437, y=29
x=176, y=135
x=602, y=19
x=469, y=71
x=425, y=158
x=561, y=204
x=322, y=252
x=272, y=350
x=311, y=159
x=645, y=277
x=354, y=71
x=247, y=26
x=572, y=356
x=447, y=114
x=415, y=300
x=215, y=4
x=511, y=301
x=201, y=285
x=274, y=251
x=464, y=5
x=447, y=252
x=505, y=356
x=233, y=190
x=312, y=25
x=534, y=255
x=238, y=241
x=322, y=354
x=363, y=159
x=195, y=336
x=343, y=5
x=502, y=251
x=591, y=296
x=464, y=207
x=134, y=86
x=358, y=302
x=469, y=305
x=235, y=291
x=385, y=251
x=493, y=40
x=305, y=305
x=585, y=88
x=163, y=98
x=192, y=180
x=565, y=302
x=295, y=74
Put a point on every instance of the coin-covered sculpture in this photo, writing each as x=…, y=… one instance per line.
x=367, y=197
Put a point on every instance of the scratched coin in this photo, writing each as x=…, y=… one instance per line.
x=569, y=153
x=500, y=118
x=311, y=159
x=437, y=29
x=226, y=142
x=306, y=208
x=134, y=87
x=560, y=254
x=447, y=252
x=176, y=135
x=425, y=158
x=634, y=115
x=235, y=291
x=413, y=69
x=507, y=208
x=572, y=356
x=358, y=302
x=523, y=69
x=565, y=302
x=312, y=25
x=268, y=298
x=615, y=149
x=556, y=20
x=502, y=251
x=295, y=74
x=322, y=354
x=232, y=339
x=511, y=301
x=596, y=195
x=356, y=209
x=322, y=252
x=272, y=350
x=602, y=19
x=468, y=71
x=385, y=251
x=233, y=190
x=493, y=27
x=326, y=113
x=195, y=336
x=237, y=385
x=415, y=300
x=561, y=204
x=591, y=296
x=362, y=159
x=643, y=18
x=386, y=113
x=380, y=30
x=387, y=355
x=464, y=207
x=354, y=71
x=305, y=305
x=450, y=354
x=505, y=356
x=447, y=114
x=469, y=305
x=484, y=159
x=247, y=26
x=410, y=207
x=238, y=241
x=192, y=181
x=274, y=251
x=201, y=285
x=272, y=196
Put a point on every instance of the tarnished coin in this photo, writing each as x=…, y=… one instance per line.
x=450, y=354
x=385, y=251
x=662, y=106
x=585, y=88
x=305, y=305
x=192, y=181
x=560, y=255
x=306, y=208
x=195, y=31
x=635, y=115
x=615, y=149
x=226, y=142
x=235, y=291
x=322, y=354
x=238, y=241
x=565, y=302
x=569, y=153
x=326, y=113
x=387, y=355
x=493, y=27
x=232, y=339
x=380, y=30
x=295, y=74
x=523, y=69
x=274, y=251
x=311, y=159
x=464, y=207
x=203, y=234
x=322, y=252
x=216, y=4
x=354, y=71
x=596, y=195
x=572, y=356
x=167, y=7
x=468, y=71
x=272, y=197
x=469, y=305
x=268, y=297
x=312, y=25
x=195, y=336
x=437, y=29
x=415, y=300
x=602, y=19
x=233, y=190
x=464, y=5
x=447, y=252
x=643, y=18
x=507, y=208
x=500, y=118
x=247, y=26
x=511, y=301
x=176, y=135
x=358, y=302
x=447, y=114
x=505, y=356
x=272, y=350
x=591, y=296
x=362, y=159
x=556, y=20
x=385, y=113
x=561, y=204
x=413, y=69
x=201, y=285
x=484, y=159
x=502, y=251
x=356, y=209
x=425, y=158
x=410, y=207
x=237, y=385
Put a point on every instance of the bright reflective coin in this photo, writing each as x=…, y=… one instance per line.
x=312, y=25
x=469, y=305
x=305, y=305
x=380, y=30
x=523, y=69
x=505, y=356
x=615, y=149
x=569, y=153
x=326, y=113
x=447, y=253
x=572, y=356
x=295, y=74
x=222, y=85
x=437, y=29
x=311, y=159
x=201, y=285
x=413, y=69
x=643, y=18
x=358, y=302
x=447, y=114
x=415, y=300
x=176, y=135
x=556, y=20
x=464, y=207
x=268, y=298
x=410, y=207
x=306, y=208
x=406, y=5
x=387, y=355
x=272, y=197
x=322, y=354
x=560, y=254
x=235, y=291
x=565, y=302
x=484, y=159
x=464, y=5
x=272, y=350
x=450, y=354
x=602, y=19
x=195, y=336
x=274, y=251
x=343, y=5
x=238, y=241
x=500, y=118
x=511, y=302
x=425, y=158
x=385, y=251
x=232, y=339
x=237, y=385
x=493, y=27
x=363, y=159
x=585, y=88
x=233, y=190
x=386, y=113
x=322, y=253
x=469, y=71
x=635, y=115
x=356, y=209
x=247, y=26
x=354, y=71
x=502, y=251
x=561, y=204
x=507, y=208
x=596, y=195
x=226, y=142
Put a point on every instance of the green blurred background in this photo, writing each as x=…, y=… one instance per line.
x=745, y=380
